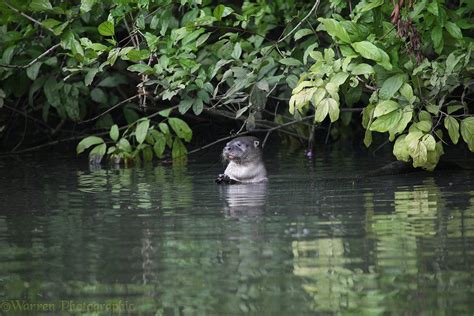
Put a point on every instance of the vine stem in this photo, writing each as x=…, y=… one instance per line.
x=28, y=17
x=49, y=50
x=313, y=9
x=110, y=109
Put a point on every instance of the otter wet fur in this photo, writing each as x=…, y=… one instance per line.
x=245, y=162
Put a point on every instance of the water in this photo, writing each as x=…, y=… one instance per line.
x=166, y=240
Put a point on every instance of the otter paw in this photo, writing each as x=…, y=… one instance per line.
x=225, y=179
x=220, y=178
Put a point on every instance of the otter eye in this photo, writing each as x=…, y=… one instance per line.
x=238, y=144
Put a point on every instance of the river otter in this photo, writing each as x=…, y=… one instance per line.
x=245, y=162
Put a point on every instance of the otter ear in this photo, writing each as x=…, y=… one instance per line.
x=256, y=143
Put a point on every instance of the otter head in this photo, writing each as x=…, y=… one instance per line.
x=242, y=150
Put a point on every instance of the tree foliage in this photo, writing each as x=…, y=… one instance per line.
x=139, y=64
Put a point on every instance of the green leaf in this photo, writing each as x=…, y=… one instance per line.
x=68, y=41
x=407, y=92
x=99, y=96
x=50, y=89
x=335, y=29
x=141, y=68
x=433, y=7
x=33, y=70
x=198, y=106
x=86, y=5
x=339, y=78
x=371, y=5
x=402, y=124
x=454, y=108
x=124, y=145
x=113, y=55
x=8, y=54
x=451, y=62
x=413, y=137
x=138, y=54
x=437, y=38
x=164, y=128
x=419, y=153
x=452, y=126
x=185, y=105
x=218, y=66
x=40, y=5
x=308, y=51
x=318, y=96
x=237, y=51
x=367, y=115
x=433, y=157
x=50, y=23
x=424, y=126
x=322, y=110
x=165, y=112
x=88, y=142
x=424, y=116
x=160, y=144
x=352, y=95
x=467, y=132
x=142, y=130
x=433, y=109
x=191, y=37
x=288, y=61
x=301, y=99
x=147, y=153
x=400, y=149
x=362, y=69
x=305, y=84
x=385, y=107
x=106, y=28
x=114, y=132
x=429, y=142
x=181, y=129
x=391, y=86
x=178, y=150
x=454, y=30
x=202, y=39
x=241, y=111
x=367, y=138
x=97, y=153
x=368, y=50
x=218, y=12
x=333, y=107
x=90, y=76
x=386, y=122
x=292, y=81
x=302, y=33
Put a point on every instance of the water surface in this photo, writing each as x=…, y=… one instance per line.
x=166, y=240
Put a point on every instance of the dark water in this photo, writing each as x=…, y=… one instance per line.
x=166, y=240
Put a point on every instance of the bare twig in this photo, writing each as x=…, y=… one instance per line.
x=220, y=140
x=380, y=146
x=328, y=133
x=108, y=110
x=23, y=135
x=313, y=9
x=49, y=50
x=49, y=144
x=28, y=17
x=27, y=115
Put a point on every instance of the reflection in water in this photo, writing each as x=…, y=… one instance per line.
x=244, y=199
x=169, y=241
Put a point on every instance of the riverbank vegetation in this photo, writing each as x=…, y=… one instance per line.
x=134, y=80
